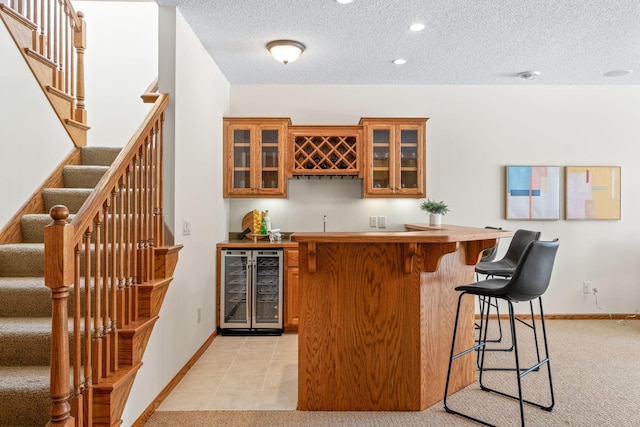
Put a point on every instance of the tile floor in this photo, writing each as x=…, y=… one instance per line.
x=240, y=373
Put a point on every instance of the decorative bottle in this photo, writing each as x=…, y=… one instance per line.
x=267, y=222
x=263, y=225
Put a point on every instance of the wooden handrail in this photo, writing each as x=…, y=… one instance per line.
x=151, y=93
x=101, y=256
x=119, y=166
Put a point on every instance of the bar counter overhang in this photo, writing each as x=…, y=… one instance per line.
x=376, y=316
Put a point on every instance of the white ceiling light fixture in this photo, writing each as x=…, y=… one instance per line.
x=617, y=73
x=285, y=51
x=344, y=1
x=417, y=27
x=399, y=61
x=529, y=75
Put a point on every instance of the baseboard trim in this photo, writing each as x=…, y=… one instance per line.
x=146, y=414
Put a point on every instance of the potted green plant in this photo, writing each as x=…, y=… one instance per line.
x=435, y=210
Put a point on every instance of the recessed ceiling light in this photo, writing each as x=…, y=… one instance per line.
x=417, y=27
x=344, y=1
x=529, y=75
x=617, y=73
x=399, y=61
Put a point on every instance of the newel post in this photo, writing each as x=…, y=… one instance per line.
x=58, y=276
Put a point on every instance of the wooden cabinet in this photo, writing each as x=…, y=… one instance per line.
x=291, y=289
x=255, y=158
x=260, y=154
x=394, y=157
x=325, y=150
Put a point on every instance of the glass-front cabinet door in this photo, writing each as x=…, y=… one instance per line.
x=382, y=154
x=395, y=157
x=254, y=157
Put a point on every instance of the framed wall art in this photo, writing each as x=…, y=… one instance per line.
x=533, y=192
x=592, y=192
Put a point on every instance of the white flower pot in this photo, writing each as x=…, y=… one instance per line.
x=435, y=219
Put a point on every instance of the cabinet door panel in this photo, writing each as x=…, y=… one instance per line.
x=254, y=165
x=395, y=157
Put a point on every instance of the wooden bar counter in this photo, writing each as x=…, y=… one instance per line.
x=377, y=313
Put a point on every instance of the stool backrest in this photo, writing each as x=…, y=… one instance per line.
x=519, y=242
x=533, y=272
x=489, y=255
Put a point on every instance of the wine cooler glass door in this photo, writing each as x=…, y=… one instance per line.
x=236, y=275
x=267, y=307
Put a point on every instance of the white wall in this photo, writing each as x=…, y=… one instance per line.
x=121, y=60
x=29, y=152
x=472, y=134
x=199, y=99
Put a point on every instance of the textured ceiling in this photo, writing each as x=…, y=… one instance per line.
x=465, y=41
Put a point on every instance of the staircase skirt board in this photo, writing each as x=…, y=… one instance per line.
x=110, y=396
x=20, y=28
x=151, y=296
x=133, y=341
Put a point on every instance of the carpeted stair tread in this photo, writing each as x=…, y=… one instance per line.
x=72, y=198
x=29, y=297
x=25, y=341
x=99, y=156
x=82, y=176
x=24, y=296
x=22, y=260
x=33, y=227
x=24, y=392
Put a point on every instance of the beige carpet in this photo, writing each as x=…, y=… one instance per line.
x=595, y=368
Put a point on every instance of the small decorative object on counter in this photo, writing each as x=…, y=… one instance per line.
x=267, y=221
x=436, y=210
x=263, y=224
x=257, y=221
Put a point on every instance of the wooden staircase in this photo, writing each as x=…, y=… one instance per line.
x=52, y=38
x=106, y=266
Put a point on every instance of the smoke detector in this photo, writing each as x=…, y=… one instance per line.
x=529, y=75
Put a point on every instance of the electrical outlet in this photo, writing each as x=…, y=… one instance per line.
x=587, y=287
x=186, y=227
x=373, y=221
x=382, y=222
x=199, y=315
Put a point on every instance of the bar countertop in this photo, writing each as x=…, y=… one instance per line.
x=419, y=233
x=260, y=244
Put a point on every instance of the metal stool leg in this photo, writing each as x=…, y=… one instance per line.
x=522, y=372
x=453, y=356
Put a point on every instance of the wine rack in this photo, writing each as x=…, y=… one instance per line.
x=325, y=151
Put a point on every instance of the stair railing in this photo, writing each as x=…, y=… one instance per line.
x=60, y=37
x=100, y=257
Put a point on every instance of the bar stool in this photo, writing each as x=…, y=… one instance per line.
x=503, y=268
x=488, y=255
x=529, y=281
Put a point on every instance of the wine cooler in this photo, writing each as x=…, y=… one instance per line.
x=251, y=292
